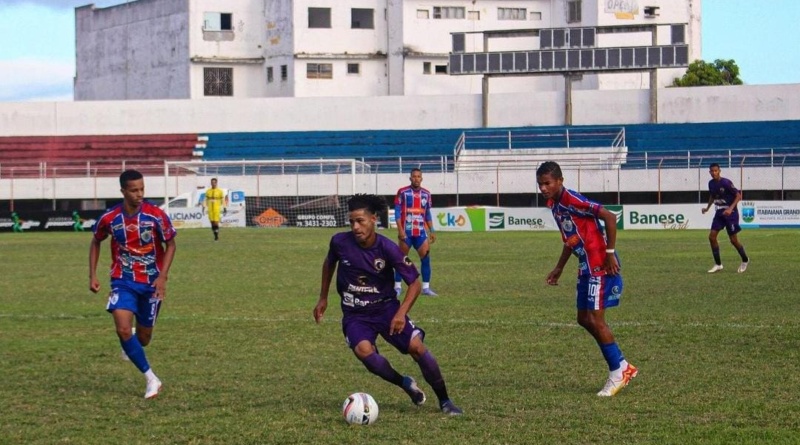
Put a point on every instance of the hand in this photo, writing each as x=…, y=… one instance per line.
x=727, y=212
x=433, y=237
x=611, y=265
x=160, y=286
x=398, y=323
x=319, y=310
x=704, y=210
x=224, y=210
x=401, y=236
x=94, y=285
x=553, y=276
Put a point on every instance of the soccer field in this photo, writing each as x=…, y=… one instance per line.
x=243, y=362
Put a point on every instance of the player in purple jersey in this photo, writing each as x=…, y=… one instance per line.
x=142, y=249
x=365, y=263
x=725, y=197
x=599, y=279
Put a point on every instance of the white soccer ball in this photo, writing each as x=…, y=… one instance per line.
x=360, y=409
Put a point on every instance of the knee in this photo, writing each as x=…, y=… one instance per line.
x=144, y=339
x=416, y=350
x=124, y=333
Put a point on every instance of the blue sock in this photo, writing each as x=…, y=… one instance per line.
x=612, y=354
x=135, y=352
x=717, y=259
x=426, y=268
x=433, y=375
x=378, y=365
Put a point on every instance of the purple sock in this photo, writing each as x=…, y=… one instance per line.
x=378, y=365
x=135, y=352
x=433, y=375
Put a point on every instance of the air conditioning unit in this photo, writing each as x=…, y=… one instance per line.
x=650, y=12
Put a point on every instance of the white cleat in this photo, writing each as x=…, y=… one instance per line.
x=743, y=267
x=153, y=388
x=612, y=386
x=124, y=356
x=717, y=268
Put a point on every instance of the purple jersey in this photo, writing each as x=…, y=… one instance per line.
x=365, y=276
x=723, y=192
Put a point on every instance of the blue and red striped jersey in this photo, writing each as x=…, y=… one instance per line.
x=581, y=230
x=412, y=208
x=137, y=241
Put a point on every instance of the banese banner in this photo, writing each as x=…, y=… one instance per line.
x=491, y=219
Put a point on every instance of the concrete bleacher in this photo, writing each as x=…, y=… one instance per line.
x=136, y=151
x=663, y=144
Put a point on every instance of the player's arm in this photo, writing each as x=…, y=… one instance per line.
x=735, y=202
x=328, y=267
x=94, y=256
x=710, y=201
x=611, y=265
x=160, y=283
x=429, y=222
x=555, y=274
x=399, y=217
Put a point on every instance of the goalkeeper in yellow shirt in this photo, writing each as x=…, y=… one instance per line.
x=215, y=202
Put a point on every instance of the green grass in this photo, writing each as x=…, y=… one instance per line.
x=243, y=362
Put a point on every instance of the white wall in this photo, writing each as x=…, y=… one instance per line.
x=676, y=105
x=134, y=51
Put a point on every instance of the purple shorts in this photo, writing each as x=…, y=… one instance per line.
x=360, y=327
x=730, y=222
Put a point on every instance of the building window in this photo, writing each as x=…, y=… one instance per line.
x=473, y=15
x=217, y=21
x=573, y=11
x=319, y=71
x=218, y=81
x=362, y=18
x=449, y=12
x=512, y=14
x=441, y=69
x=284, y=72
x=426, y=67
x=535, y=15
x=423, y=14
x=319, y=17
x=270, y=76
x=353, y=68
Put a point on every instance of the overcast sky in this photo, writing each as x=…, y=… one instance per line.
x=37, y=46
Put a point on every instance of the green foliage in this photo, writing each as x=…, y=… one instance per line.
x=700, y=73
x=243, y=362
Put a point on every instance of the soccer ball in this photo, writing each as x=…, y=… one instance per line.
x=360, y=409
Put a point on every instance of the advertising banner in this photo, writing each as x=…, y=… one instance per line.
x=482, y=219
x=769, y=214
x=77, y=221
x=666, y=217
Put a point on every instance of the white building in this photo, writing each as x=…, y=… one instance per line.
x=193, y=49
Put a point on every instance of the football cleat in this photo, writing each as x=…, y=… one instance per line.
x=124, y=356
x=716, y=268
x=429, y=292
x=153, y=388
x=413, y=391
x=743, y=267
x=449, y=408
x=612, y=386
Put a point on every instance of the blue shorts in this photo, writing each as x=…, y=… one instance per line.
x=416, y=241
x=598, y=293
x=360, y=327
x=137, y=298
x=730, y=222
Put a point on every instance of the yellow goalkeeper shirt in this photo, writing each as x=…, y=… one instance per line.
x=214, y=199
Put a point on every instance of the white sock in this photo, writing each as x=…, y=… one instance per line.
x=426, y=285
x=398, y=285
x=150, y=375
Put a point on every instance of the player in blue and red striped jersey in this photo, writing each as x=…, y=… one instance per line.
x=412, y=210
x=142, y=249
x=599, y=280
x=725, y=196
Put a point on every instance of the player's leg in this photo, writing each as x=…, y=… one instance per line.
x=215, y=229
x=360, y=336
x=594, y=295
x=431, y=372
x=424, y=251
x=398, y=280
x=716, y=225
x=733, y=229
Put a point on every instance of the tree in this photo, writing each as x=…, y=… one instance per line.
x=700, y=73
